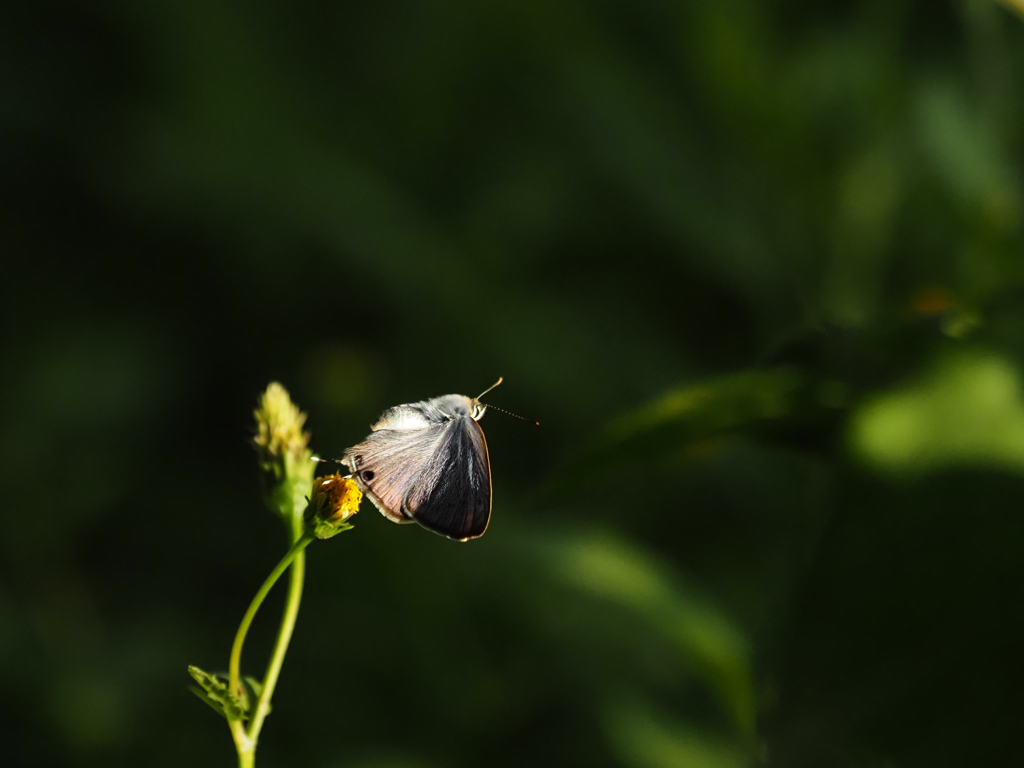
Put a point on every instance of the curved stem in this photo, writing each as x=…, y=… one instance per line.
x=235, y=664
x=243, y=744
x=284, y=636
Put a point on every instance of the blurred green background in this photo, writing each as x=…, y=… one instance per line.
x=755, y=265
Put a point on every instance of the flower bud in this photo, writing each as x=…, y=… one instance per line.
x=282, y=448
x=334, y=500
x=279, y=426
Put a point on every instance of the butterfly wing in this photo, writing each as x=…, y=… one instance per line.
x=451, y=495
x=387, y=462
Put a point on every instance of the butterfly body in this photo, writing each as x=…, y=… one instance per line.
x=427, y=462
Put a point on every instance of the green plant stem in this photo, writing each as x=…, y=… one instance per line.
x=284, y=636
x=245, y=742
x=244, y=745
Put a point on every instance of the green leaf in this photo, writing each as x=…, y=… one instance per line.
x=214, y=690
x=692, y=416
x=643, y=737
x=254, y=684
x=257, y=688
x=967, y=411
x=215, y=706
x=610, y=568
x=325, y=529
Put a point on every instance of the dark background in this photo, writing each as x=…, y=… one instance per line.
x=755, y=265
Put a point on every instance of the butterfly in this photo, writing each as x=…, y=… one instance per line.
x=427, y=463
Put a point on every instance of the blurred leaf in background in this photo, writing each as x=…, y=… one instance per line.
x=755, y=265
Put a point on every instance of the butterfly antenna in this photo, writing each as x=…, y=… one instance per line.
x=325, y=461
x=509, y=413
x=500, y=379
x=514, y=415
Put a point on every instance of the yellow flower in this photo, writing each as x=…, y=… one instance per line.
x=335, y=499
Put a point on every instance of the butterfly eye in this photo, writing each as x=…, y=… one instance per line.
x=367, y=475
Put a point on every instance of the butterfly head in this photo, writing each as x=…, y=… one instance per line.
x=478, y=409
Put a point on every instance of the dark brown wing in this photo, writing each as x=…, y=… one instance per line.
x=452, y=493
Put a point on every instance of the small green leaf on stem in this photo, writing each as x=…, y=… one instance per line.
x=214, y=691
x=255, y=685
